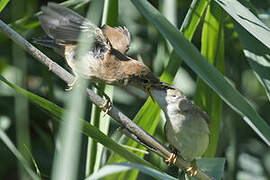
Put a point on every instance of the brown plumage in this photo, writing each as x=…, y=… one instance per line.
x=106, y=61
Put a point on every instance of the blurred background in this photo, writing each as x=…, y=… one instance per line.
x=247, y=156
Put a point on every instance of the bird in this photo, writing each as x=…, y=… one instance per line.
x=106, y=61
x=186, y=127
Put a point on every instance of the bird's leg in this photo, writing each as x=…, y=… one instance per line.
x=70, y=85
x=107, y=106
x=192, y=170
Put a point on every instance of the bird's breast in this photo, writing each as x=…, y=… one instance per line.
x=189, y=136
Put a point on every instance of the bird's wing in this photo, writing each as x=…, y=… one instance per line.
x=64, y=25
x=119, y=37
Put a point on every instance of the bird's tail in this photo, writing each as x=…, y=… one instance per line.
x=45, y=41
x=50, y=43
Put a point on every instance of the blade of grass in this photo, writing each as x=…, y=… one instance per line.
x=88, y=129
x=92, y=160
x=115, y=168
x=18, y=155
x=21, y=110
x=3, y=4
x=109, y=17
x=169, y=10
x=66, y=159
x=33, y=161
x=212, y=48
x=94, y=157
x=247, y=20
x=248, y=28
x=257, y=55
x=256, y=43
x=207, y=72
x=21, y=104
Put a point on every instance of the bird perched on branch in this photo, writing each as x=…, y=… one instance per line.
x=105, y=61
x=186, y=127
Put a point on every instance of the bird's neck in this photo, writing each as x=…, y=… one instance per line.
x=161, y=98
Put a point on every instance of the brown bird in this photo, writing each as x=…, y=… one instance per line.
x=186, y=127
x=106, y=61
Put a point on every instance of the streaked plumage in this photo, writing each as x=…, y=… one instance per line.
x=106, y=61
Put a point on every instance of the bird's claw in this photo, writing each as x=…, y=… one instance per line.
x=70, y=85
x=192, y=170
x=106, y=107
x=172, y=159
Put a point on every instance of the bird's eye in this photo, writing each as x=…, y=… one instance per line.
x=145, y=81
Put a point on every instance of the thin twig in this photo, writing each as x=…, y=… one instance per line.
x=133, y=128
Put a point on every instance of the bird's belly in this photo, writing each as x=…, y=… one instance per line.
x=97, y=70
x=89, y=68
x=190, y=141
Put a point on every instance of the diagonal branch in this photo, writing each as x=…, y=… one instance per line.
x=128, y=124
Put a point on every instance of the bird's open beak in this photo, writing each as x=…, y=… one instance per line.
x=148, y=92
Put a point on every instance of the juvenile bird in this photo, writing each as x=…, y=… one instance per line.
x=106, y=61
x=186, y=127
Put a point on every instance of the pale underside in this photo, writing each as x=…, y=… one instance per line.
x=191, y=134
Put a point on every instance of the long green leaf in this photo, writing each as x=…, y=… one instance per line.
x=256, y=43
x=88, y=129
x=18, y=155
x=22, y=121
x=212, y=48
x=206, y=71
x=95, y=150
x=114, y=168
x=66, y=159
x=247, y=20
x=254, y=36
x=3, y=4
x=257, y=55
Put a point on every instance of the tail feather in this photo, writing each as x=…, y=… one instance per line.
x=45, y=41
x=50, y=43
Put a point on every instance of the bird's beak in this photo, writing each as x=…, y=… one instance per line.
x=148, y=92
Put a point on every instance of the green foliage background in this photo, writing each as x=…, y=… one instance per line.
x=238, y=52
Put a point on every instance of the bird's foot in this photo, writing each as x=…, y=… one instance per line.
x=192, y=170
x=70, y=85
x=172, y=159
x=107, y=106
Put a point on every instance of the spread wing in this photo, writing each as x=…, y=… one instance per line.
x=64, y=25
x=119, y=37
